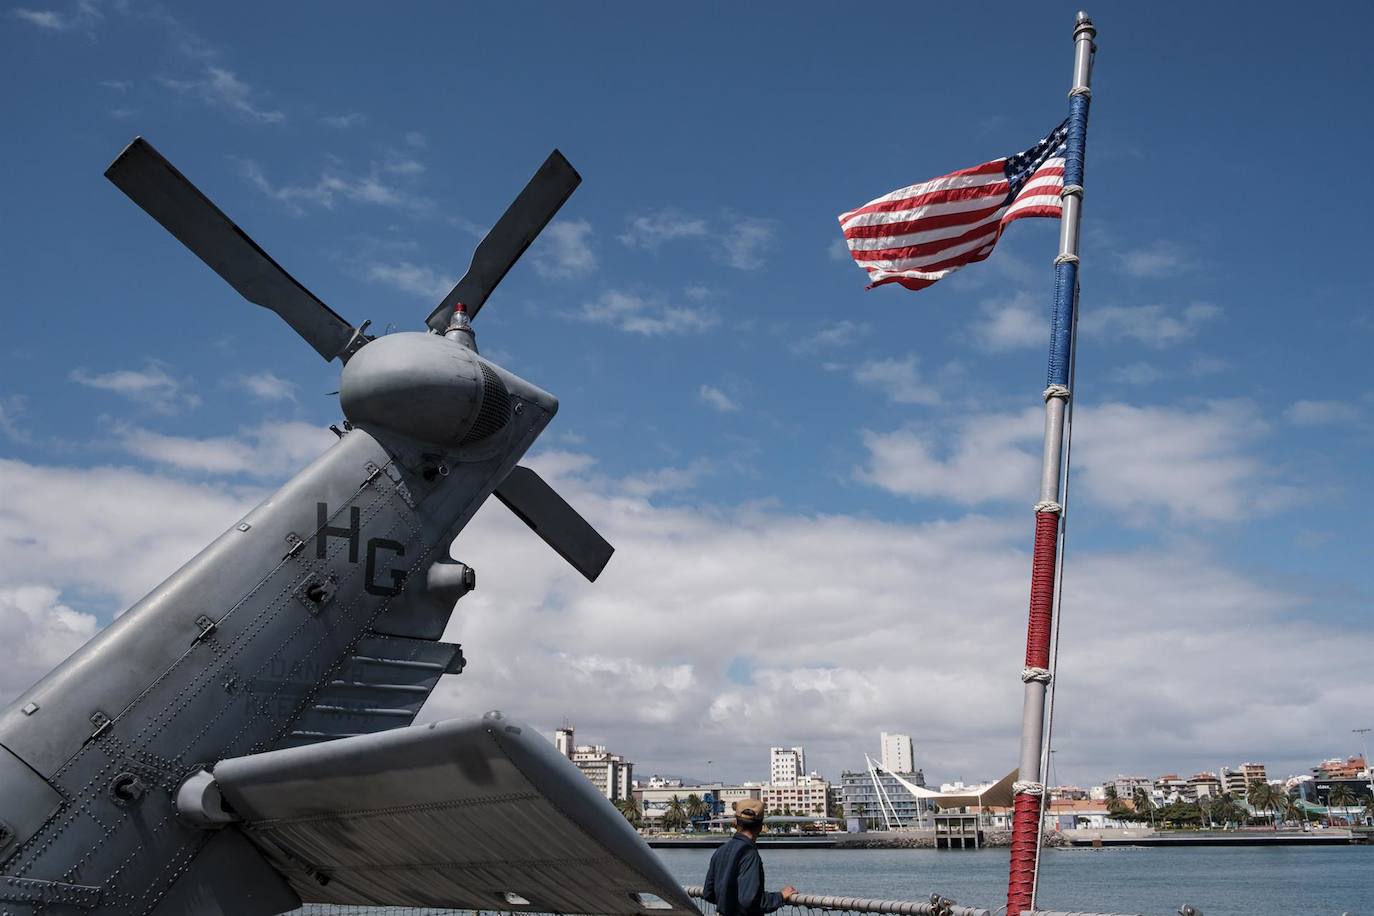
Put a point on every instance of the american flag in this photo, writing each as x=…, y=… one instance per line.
x=925, y=232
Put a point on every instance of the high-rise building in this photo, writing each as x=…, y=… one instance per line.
x=612, y=774
x=786, y=765
x=896, y=753
x=563, y=740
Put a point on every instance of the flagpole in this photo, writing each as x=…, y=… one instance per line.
x=1030, y=792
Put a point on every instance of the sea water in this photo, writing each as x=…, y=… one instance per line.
x=1230, y=881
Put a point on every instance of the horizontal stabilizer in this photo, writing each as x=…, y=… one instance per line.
x=537, y=504
x=475, y=814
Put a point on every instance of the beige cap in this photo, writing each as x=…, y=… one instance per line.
x=751, y=809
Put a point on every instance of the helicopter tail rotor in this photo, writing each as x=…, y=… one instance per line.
x=522, y=222
x=169, y=197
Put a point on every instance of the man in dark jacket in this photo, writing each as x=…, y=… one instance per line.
x=734, y=880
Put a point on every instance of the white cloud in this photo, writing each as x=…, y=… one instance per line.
x=650, y=317
x=269, y=450
x=899, y=379
x=37, y=631
x=265, y=386
x=1012, y=323
x=653, y=229
x=831, y=336
x=838, y=251
x=738, y=241
x=1155, y=260
x=223, y=89
x=344, y=121
x=992, y=459
x=1190, y=465
x=336, y=184
x=44, y=19
x=413, y=278
x=152, y=387
x=1152, y=325
x=744, y=242
x=416, y=139
x=12, y=407
x=120, y=86
x=564, y=249
x=829, y=647
x=105, y=532
x=85, y=16
x=1023, y=321
x=714, y=398
x=1321, y=413
x=1140, y=373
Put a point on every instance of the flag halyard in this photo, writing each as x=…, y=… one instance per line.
x=922, y=233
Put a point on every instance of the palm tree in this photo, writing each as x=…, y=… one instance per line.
x=1340, y=796
x=1143, y=805
x=1263, y=797
x=675, y=815
x=630, y=808
x=1111, y=794
x=1225, y=809
x=1290, y=808
x=696, y=807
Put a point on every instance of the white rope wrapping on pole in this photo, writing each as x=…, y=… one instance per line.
x=1057, y=391
x=1028, y=788
x=1080, y=90
x=1042, y=675
x=1071, y=190
x=1066, y=259
x=1049, y=505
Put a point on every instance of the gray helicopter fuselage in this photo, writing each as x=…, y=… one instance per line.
x=317, y=615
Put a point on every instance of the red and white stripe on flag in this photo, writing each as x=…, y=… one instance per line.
x=925, y=232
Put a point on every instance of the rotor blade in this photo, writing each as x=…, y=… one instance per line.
x=169, y=197
x=537, y=504
x=522, y=222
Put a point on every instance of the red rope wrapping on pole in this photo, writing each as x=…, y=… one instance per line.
x=1026, y=808
x=1025, y=817
x=1041, y=621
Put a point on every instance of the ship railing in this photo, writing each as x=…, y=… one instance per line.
x=934, y=906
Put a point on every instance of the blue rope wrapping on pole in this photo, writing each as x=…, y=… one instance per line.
x=1066, y=272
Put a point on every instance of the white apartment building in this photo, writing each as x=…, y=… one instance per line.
x=897, y=753
x=804, y=795
x=612, y=774
x=787, y=765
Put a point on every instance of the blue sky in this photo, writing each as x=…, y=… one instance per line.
x=721, y=368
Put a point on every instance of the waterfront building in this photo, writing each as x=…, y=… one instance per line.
x=1069, y=793
x=1125, y=786
x=718, y=797
x=786, y=765
x=612, y=774
x=803, y=795
x=1239, y=780
x=861, y=800
x=1204, y=785
x=1350, y=768
x=1170, y=788
x=896, y=753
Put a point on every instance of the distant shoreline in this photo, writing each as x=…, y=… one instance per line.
x=1077, y=839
